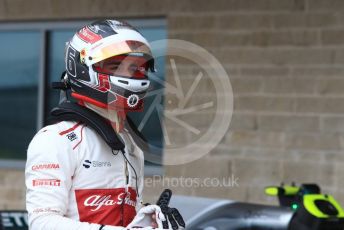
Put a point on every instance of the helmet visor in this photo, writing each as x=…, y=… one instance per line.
x=130, y=66
x=105, y=51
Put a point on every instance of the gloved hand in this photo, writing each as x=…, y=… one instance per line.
x=144, y=219
x=174, y=219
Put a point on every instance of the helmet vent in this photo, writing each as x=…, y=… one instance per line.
x=124, y=82
x=144, y=83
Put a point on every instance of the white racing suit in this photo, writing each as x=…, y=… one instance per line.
x=75, y=181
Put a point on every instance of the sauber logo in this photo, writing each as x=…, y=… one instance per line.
x=98, y=201
x=46, y=182
x=72, y=136
x=45, y=167
x=106, y=206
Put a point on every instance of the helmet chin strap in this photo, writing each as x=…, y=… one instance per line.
x=115, y=117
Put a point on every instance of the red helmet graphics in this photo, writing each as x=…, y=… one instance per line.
x=107, y=63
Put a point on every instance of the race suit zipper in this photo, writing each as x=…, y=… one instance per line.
x=126, y=173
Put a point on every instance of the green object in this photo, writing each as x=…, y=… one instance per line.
x=291, y=190
x=294, y=206
x=285, y=190
x=271, y=191
x=310, y=206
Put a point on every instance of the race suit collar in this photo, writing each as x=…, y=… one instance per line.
x=69, y=111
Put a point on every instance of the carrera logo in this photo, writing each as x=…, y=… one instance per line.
x=46, y=182
x=45, y=167
x=105, y=206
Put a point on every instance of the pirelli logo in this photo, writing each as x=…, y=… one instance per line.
x=46, y=182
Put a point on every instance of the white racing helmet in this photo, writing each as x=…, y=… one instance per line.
x=95, y=59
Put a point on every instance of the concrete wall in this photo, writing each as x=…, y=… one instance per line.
x=285, y=60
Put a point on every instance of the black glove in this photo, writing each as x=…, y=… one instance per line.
x=172, y=214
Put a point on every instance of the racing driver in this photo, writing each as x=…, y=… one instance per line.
x=85, y=170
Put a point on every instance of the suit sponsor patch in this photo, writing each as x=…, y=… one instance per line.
x=45, y=166
x=106, y=206
x=46, y=182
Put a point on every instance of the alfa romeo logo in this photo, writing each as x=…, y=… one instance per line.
x=133, y=100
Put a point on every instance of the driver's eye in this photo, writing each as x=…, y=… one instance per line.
x=133, y=68
x=112, y=66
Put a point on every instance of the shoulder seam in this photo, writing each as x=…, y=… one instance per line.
x=81, y=131
x=70, y=129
